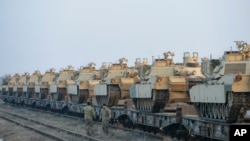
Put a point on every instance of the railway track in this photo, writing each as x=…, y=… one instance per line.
x=45, y=129
x=72, y=125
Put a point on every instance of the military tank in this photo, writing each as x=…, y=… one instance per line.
x=42, y=88
x=225, y=94
x=166, y=82
x=20, y=89
x=31, y=95
x=82, y=90
x=151, y=93
x=10, y=96
x=59, y=91
x=116, y=80
x=88, y=78
x=4, y=86
x=185, y=76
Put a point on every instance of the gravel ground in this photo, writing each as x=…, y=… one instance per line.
x=12, y=132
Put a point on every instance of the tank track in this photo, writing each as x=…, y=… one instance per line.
x=44, y=92
x=153, y=104
x=232, y=111
x=112, y=98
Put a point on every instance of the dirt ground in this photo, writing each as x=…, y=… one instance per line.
x=12, y=132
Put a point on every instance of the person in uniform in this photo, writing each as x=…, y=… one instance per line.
x=105, y=117
x=89, y=115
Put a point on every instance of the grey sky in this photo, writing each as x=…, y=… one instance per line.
x=40, y=34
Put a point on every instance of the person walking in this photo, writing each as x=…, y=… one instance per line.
x=105, y=117
x=89, y=115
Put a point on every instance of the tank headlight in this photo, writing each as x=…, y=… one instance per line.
x=238, y=77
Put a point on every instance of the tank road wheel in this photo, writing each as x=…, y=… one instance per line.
x=202, y=110
x=137, y=105
x=142, y=104
x=214, y=110
x=210, y=105
x=197, y=108
x=150, y=104
x=206, y=108
x=230, y=99
x=227, y=108
x=223, y=112
x=219, y=111
x=145, y=104
x=210, y=114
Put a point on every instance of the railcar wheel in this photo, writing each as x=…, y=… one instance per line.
x=65, y=111
x=48, y=108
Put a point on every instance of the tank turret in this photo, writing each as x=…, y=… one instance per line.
x=226, y=92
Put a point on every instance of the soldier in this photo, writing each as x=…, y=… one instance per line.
x=89, y=115
x=105, y=117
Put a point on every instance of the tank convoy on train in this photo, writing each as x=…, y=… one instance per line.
x=139, y=96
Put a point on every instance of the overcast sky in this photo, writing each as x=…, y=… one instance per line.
x=41, y=34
